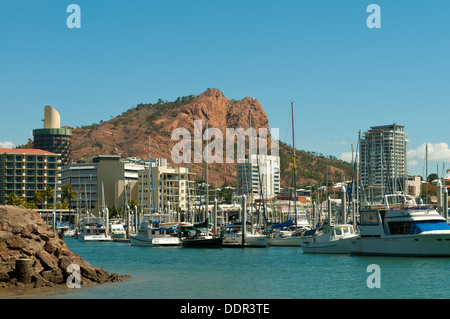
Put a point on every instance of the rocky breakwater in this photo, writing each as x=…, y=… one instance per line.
x=31, y=253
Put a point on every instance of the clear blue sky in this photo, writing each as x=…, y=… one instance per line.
x=342, y=76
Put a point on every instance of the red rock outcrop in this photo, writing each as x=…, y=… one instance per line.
x=24, y=236
x=128, y=134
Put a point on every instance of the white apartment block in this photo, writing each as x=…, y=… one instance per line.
x=259, y=177
x=173, y=189
x=383, y=159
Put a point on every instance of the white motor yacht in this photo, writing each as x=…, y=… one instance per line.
x=92, y=229
x=156, y=234
x=402, y=229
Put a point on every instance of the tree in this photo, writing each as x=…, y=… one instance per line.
x=68, y=193
x=13, y=199
x=432, y=177
x=30, y=204
x=39, y=198
x=48, y=193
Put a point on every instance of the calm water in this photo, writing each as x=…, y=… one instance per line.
x=254, y=273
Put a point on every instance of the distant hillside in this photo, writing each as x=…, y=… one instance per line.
x=128, y=134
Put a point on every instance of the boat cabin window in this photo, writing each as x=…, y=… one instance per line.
x=399, y=228
x=347, y=230
x=369, y=217
x=343, y=231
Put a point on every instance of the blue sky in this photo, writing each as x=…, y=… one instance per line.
x=342, y=76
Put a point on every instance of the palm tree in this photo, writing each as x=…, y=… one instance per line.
x=13, y=199
x=39, y=198
x=48, y=193
x=68, y=192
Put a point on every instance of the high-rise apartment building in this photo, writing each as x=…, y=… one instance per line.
x=259, y=177
x=383, y=160
x=25, y=171
x=52, y=137
x=173, y=189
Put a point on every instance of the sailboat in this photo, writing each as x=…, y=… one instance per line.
x=238, y=235
x=154, y=230
x=286, y=234
x=331, y=238
x=198, y=235
x=92, y=228
x=154, y=233
x=279, y=235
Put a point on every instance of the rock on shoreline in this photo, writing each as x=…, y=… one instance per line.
x=31, y=253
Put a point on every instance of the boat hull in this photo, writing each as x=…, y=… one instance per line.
x=202, y=242
x=251, y=240
x=119, y=236
x=339, y=246
x=83, y=237
x=285, y=241
x=174, y=241
x=422, y=245
x=142, y=241
x=145, y=241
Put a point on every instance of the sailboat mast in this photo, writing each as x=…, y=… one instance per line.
x=250, y=168
x=293, y=145
x=54, y=207
x=151, y=173
x=207, y=179
x=426, y=173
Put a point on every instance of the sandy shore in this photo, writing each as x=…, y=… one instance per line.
x=28, y=292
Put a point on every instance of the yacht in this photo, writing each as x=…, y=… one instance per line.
x=329, y=239
x=286, y=234
x=199, y=236
x=402, y=228
x=283, y=238
x=155, y=234
x=232, y=237
x=93, y=229
x=117, y=229
x=65, y=229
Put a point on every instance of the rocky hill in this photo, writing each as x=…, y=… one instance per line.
x=128, y=135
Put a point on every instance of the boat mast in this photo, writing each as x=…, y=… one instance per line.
x=293, y=145
x=426, y=173
x=151, y=174
x=250, y=167
x=54, y=207
x=207, y=185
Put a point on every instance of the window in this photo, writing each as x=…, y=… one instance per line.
x=399, y=228
x=369, y=217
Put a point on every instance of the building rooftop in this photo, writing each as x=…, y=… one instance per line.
x=24, y=151
x=388, y=127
